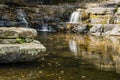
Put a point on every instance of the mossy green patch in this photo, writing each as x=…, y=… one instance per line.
x=20, y=40
x=90, y=26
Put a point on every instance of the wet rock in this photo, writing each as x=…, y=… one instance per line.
x=5, y=23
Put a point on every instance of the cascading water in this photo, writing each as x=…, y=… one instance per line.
x=46, y=28
x=21, y=16
x=76, y=17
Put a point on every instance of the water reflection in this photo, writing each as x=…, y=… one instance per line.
x=73, y=46
x=70, y=57
x=103, y=52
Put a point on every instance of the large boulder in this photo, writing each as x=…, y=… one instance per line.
x=14, y=32
x=20, y=52
x=18, y=44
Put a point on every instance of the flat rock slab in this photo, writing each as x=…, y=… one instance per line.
x=20, y=52
x=105, y=29
x=100, y=10
x=14, y=32
x=15, y=41
x=118, y=11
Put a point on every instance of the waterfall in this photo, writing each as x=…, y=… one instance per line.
x=46, y=28
x=21, y=16
x=76, y=16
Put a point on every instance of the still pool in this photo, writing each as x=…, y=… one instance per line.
x=70, y=57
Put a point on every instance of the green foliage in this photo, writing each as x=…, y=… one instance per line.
x=20, y=40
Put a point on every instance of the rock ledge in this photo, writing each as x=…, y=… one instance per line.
x=18, y=44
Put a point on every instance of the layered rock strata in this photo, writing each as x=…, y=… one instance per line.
x=18, y=44
x=99, y=21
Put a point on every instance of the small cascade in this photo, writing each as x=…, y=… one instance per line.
x=76, y=17
x=46, y=28
x=21, y=17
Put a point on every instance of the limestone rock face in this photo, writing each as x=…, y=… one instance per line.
x=100, y=10
x=96, y=28
x=92, y=5
x=114, y=32
x=113, y=2
x=15, y=41
x=14, y=32
x=20, y=52
x=102, y=15
x=118, y=16
x=18, y=44
x=105, y=29
x=108, y=16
